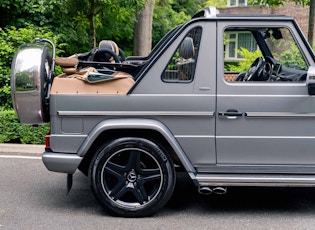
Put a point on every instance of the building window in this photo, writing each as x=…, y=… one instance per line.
x=237, y=40
x=237, y=3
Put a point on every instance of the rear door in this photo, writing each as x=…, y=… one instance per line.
x=178, y=90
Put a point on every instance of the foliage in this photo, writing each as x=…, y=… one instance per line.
x=188, y=7
x=10, y=39
x=217, y=3
x=164, y=19
x=244, y=64
x=290, y=57
x=89, y=15
x=114, y=20
x=13, y=131
x=110, y=21
x=293, y=58
x=19, y=12
x=66, y=23
x=170, y=13
x=276, y=3
x=70, y=19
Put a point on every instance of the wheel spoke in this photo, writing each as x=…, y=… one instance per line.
x=140, y=194
x=122, y=188
x=119, y=190
x=150, y=175
x=133, y=161
x=115, y=169
x=147, y=175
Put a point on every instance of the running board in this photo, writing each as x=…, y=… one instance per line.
x=268, y=180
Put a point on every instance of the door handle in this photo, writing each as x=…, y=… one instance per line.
x=230, y=114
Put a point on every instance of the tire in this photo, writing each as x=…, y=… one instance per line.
x=45, y=69
x=132, y=177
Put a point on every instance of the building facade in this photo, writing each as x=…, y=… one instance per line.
x=297, y=11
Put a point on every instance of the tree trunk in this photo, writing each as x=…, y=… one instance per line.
x=142, y=41
x=311, y=23
x=91, y=17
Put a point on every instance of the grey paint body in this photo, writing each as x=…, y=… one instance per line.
x=272, y=143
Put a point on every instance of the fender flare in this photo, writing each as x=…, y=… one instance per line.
x=132, y=123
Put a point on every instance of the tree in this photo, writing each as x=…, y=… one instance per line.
x=310, y=35
x=18, y=12
x=142, y=40
x=92, y=9
x=165, y=18
x=189, y=7
x=166, y=15
x=310, y=3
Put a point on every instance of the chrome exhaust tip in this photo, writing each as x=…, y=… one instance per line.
x=204, y=190
x=220, y=190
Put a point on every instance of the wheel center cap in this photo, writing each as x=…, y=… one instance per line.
x=132, y=177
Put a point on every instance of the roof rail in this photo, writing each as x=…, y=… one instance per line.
x=208, y=12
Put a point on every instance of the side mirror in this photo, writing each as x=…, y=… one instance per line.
x=276, y=34
x=310, y=80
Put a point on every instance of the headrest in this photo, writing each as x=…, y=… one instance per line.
x=186, y=49
x=111, y=45
x=67, y=61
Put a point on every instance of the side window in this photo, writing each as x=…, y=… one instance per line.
x=262, y=54
x=181, y=67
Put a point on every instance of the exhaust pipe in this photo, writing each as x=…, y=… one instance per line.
x=204, y=190
x=219, y=190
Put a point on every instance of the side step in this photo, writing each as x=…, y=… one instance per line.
x=268, y=180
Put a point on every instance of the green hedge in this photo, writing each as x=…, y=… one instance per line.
x=12, y=131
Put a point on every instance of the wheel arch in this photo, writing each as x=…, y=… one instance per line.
x=153, y=130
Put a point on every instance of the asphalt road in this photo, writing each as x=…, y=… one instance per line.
x=33, y=198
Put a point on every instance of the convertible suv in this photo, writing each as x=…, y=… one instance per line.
x=193, y=104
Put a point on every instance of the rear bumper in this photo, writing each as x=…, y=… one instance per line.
x=61, y=162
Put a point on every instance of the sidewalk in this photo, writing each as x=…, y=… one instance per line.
x=21, y=149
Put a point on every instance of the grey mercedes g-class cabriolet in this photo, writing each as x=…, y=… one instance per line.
x=129, y=122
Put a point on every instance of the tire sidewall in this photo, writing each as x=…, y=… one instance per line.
x=44, y=79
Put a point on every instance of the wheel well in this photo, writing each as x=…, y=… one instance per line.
x=110, y=135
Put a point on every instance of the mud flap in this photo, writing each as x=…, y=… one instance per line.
x=69, y=183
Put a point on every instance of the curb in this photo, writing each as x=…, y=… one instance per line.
x=21, y=149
